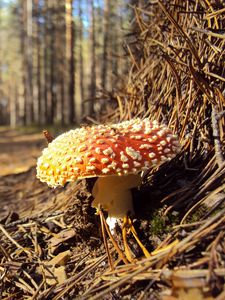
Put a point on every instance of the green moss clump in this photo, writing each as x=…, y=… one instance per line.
x=161, y=224
x=157, y=224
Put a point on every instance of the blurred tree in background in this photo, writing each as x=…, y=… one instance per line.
x=57, y=55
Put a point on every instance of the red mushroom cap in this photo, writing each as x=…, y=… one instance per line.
x=125, y=148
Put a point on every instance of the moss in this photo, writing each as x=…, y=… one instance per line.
x=157, y=224
x=198, y=214
x=161, y=224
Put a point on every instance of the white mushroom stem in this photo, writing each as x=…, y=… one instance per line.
x=112, y=221
x=113, y=193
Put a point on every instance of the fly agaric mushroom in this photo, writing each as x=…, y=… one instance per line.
x=116, y=154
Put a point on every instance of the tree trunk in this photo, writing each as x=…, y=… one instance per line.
x=71, y=39
x=53, y=63
x=80, y=103
x=106, y=26
x=12, y=104
x=69, y=62
x=36, y=62
x=26, y=52
x=29, y=54
x=47, y=92
x=60, y=57
x=93, y=60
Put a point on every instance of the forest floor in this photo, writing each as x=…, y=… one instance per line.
x=52, y=248
x=19, y=150
x=74, y=232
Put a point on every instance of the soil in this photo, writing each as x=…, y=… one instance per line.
x=18, y=150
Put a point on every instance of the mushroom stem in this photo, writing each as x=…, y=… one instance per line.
x=113, y=193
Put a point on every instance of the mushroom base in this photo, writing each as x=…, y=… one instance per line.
x=113, y=194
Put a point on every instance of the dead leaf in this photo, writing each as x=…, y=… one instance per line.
x=59, y=238
x=54, y=270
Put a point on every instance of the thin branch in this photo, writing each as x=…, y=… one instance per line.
x=216, y=136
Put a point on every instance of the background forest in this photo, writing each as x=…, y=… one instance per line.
x=57, y=55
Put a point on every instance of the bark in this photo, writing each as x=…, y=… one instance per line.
x=53, y=63
x=26, y=52
x=36, y=63
x=29, y=67
x=106, y=25
x=70, y=32
x=81, y=65
x=93, y=60
x=59, y=61
x=12, y=104
x=69, y=62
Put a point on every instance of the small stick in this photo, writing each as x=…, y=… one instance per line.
x=41, y=217
x=12, y=240
x=215, y=116
x=104, y=238
x=114, y=242
x=124, y=235
x=48, y=136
